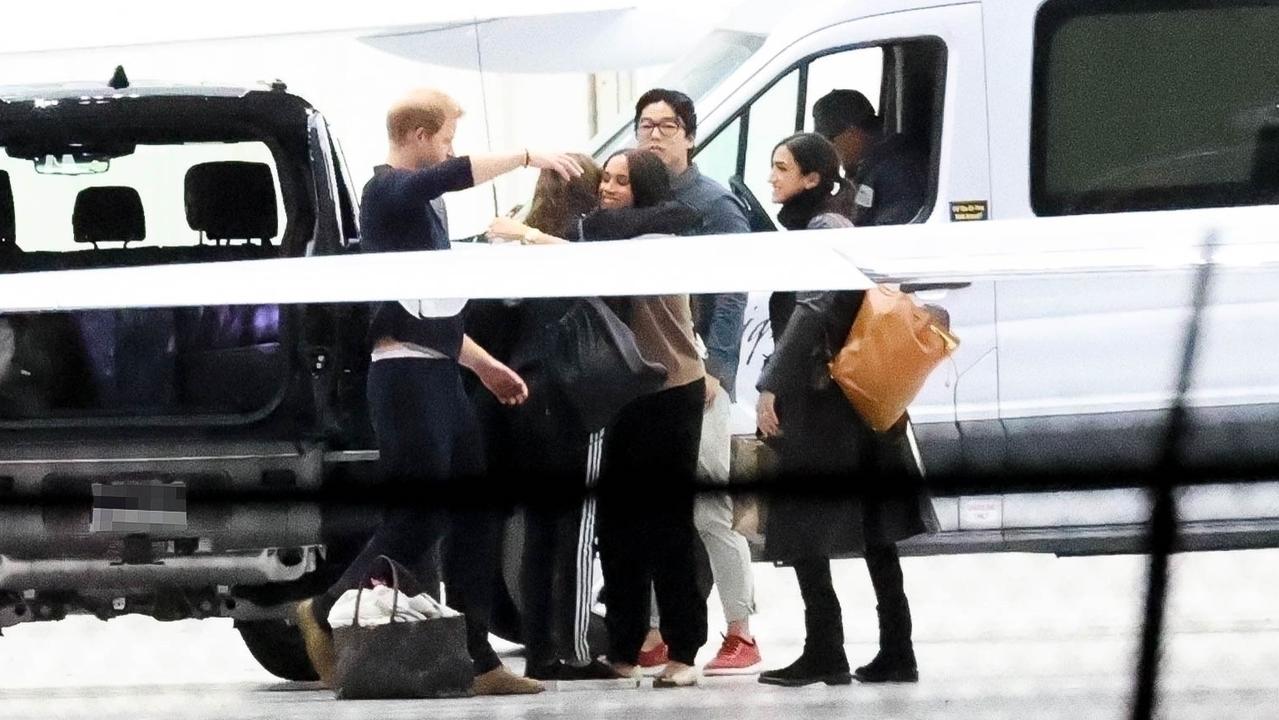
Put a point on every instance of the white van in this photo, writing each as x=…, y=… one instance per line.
x=1042, y=109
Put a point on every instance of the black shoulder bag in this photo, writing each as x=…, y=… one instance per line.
x=597, y=364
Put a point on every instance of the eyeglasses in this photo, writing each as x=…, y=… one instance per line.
x=666, y=128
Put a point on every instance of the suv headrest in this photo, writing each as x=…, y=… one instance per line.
x=8, y=226
x=108, y=214
x=232, y=200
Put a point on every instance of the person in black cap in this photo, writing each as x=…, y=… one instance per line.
x=887, y=172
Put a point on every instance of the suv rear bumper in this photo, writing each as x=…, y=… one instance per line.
x=273, y=565
x=63, y=531
x=68, y=470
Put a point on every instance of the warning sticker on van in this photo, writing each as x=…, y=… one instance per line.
x=969, y=210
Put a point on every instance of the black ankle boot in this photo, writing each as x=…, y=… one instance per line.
x=888, y=667
x=895, y=661
x=812, y=667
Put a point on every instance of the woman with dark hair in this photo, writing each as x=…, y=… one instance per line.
x=634, y=199
x=826, y=448
x=650, y=182
x=645, y=520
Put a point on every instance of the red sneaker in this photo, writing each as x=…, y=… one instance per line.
x=737, y=656
x=656, y=657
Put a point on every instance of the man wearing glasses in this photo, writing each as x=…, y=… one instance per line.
x=666, y=125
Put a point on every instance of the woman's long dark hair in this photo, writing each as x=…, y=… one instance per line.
x=654, y=211
x=833, y=194
x=650, y=180
x=559, y=204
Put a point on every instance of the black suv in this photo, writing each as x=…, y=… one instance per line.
x=170, y=461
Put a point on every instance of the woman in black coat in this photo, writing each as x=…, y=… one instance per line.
x=842, y=489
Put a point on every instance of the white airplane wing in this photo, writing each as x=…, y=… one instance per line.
x=606, y=38
x=852, y=258
x=632, y=267
x=50, y=27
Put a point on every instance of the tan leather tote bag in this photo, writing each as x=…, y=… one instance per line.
x=893, y=346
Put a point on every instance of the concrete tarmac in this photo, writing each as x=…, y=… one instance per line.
x=998, y=636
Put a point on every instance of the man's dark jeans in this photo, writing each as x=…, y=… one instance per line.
x=432, y=460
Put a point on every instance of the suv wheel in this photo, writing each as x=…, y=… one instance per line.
x=278, y=648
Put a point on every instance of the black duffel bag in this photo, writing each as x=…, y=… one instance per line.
x=598, y=365
x=402, y=659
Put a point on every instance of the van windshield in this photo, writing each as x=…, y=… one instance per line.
x=712, y=60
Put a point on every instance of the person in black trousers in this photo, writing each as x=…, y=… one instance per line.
x=647, y=483
x=827, y=450
x=550, y=457
x=427, y=433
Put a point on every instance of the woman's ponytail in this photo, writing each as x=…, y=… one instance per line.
x=844, y=200
x=815, y=154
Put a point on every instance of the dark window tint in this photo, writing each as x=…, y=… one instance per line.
x=1145, y=106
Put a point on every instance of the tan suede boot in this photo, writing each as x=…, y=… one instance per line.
x=500, y=681
x=318, y=641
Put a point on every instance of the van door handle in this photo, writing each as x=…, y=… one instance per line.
x=918, y=287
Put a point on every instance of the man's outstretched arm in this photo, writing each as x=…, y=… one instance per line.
x=505, y=384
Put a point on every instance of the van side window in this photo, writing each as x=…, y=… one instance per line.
x=772, y=117
x=718, y=158
x=1145, y=107
x=861, y=69
x=903, y=81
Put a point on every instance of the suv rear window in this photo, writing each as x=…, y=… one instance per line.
x=151, y=204
x=174, y=200
x=1155, y=106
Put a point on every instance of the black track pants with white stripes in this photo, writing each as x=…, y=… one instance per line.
x=557, y=576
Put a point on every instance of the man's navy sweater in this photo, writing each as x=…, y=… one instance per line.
x=396, y=216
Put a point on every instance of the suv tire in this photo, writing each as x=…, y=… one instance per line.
x=277, y=646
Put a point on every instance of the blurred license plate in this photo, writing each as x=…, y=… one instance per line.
x=139, y=507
